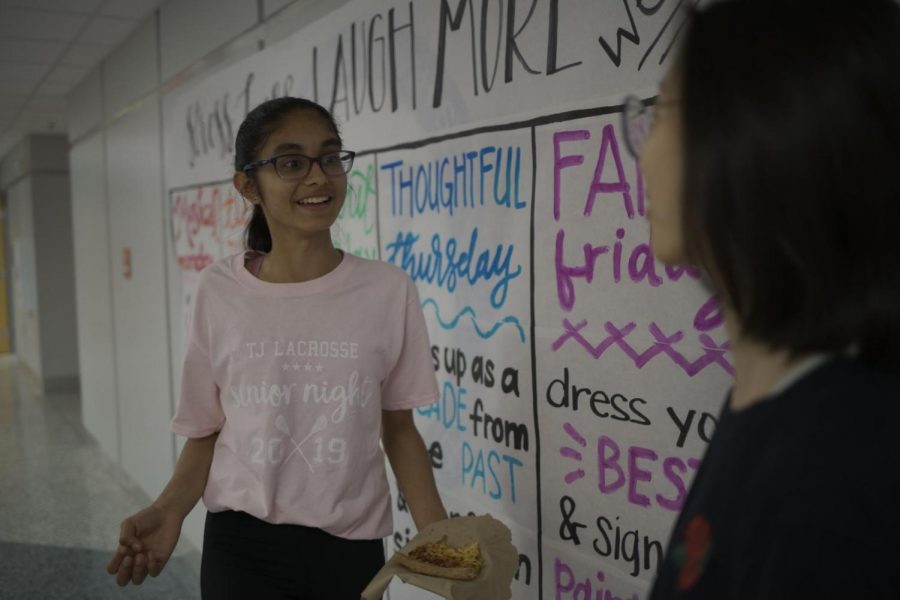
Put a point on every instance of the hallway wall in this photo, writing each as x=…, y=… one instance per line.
x=128, y=286
x=23, y=275
x=35, y=179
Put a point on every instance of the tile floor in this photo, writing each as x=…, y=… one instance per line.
x=61, y=502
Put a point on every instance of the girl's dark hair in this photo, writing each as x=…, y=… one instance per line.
x=251, y=136
x=791, y=120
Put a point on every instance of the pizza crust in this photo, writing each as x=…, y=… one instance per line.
x=419, y=566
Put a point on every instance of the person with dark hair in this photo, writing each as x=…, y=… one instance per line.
x=300, y=362
x=773, y=164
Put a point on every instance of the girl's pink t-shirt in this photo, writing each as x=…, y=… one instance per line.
x=294, y=377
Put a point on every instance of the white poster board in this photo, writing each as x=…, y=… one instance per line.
x=579, y=377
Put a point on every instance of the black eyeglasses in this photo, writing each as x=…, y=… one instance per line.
x=293, y=167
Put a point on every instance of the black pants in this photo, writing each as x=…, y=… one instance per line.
x=245, y=558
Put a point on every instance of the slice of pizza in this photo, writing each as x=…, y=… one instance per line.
x=443, y=560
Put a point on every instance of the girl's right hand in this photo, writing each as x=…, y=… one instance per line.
x=146, y=541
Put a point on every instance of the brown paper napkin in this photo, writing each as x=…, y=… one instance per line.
x=501, y=559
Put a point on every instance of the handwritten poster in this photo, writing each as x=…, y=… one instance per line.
x=208, y=222
x=579, y=378
x=456, y=217
x=628, y=355
x=355, y=230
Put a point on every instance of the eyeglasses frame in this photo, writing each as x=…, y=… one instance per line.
x=312, y=161
x=648, y=107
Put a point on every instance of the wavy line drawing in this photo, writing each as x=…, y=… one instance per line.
x=714, y=354
x=468, y=310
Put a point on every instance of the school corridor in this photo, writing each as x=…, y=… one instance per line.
x=61, y=501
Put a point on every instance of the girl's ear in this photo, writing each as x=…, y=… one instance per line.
x=246, y=187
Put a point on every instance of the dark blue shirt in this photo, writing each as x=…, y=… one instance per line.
x=798, y=496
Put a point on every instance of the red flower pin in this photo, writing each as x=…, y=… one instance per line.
x=695, y=552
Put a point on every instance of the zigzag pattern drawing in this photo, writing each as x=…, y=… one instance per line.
x=468, y=310
x=714, y=354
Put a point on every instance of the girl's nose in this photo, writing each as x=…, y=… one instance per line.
x=316, y=174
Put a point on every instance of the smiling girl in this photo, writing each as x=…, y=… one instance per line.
x=285, y=439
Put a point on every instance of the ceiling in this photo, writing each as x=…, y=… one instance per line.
x=46, y=48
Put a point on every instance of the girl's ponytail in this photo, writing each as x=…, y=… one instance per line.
x=257, y=234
